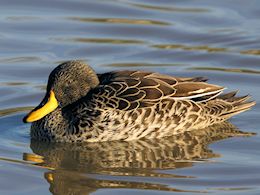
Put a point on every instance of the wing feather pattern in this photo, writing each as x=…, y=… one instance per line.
x=128, y=90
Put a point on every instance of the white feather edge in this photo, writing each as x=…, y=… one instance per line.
x=217, y=92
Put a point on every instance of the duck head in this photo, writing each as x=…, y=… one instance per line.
x=67, y=83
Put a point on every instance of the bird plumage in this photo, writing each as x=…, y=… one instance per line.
x=128, y=105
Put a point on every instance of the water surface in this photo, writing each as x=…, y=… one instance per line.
x=216, y=39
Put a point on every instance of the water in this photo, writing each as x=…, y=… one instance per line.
x=216, y=39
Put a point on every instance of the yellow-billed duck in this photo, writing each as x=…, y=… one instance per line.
x=82, y=106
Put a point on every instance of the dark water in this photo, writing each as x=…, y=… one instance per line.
x=218, y=39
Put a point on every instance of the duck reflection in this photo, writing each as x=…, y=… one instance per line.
x=81, y=168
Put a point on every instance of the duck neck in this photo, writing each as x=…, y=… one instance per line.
x=50, y=127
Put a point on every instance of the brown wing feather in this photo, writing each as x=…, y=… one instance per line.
x=189, y=90
x=140, y=89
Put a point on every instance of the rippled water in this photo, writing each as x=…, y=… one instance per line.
x=217, y=39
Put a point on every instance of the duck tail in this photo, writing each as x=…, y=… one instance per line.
x=235, y=105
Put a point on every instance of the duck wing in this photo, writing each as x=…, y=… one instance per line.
x=128, y=90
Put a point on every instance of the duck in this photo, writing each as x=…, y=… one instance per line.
x=82, y=106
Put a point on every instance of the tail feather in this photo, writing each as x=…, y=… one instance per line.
x=199, y=79
x=193, y=79
x=231, y=97
x=227, y=105
x=238, y=107
x=239, y=100
x=227, y=96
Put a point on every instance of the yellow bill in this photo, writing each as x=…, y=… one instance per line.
x=50, y=106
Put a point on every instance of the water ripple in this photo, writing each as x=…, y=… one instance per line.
x=191, y=48
x=143, y=64
x=100, y=40
x=170, y=8
x=232, y=70
x=121, y=21
x=9, y=111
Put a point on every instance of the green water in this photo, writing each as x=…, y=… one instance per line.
x=216, y=39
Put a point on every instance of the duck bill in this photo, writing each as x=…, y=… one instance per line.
x=39, y=112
